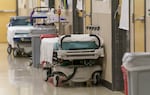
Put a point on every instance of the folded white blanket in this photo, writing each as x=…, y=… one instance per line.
x=47, y=47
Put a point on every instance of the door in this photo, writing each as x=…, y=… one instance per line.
x=51, y=3
x=7, y=9
x=88, y=14
x=137, y=18
x=77, y=18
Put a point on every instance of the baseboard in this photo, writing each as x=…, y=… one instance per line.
x=107, y=84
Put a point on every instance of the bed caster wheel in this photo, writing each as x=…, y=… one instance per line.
x=88, y=83
x=16, y=52
x=30, y=64
x=44, y=76
x=47, y=74
x=56, y=80
x=71, y=84
x=23, y=53
x=96, y=78
x=9, y=49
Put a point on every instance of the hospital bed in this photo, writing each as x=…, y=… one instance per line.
x=43, y=16
x=72, y=58
x=18, y=36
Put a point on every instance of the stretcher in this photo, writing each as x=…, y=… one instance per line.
x=45, y=16
x=18, y=36
x=73, y=58
x=80, y=47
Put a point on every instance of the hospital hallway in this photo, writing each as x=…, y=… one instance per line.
x=17, y=78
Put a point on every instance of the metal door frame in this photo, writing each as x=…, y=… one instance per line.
x=145, y=41
x=120, y=45
x=17, y=8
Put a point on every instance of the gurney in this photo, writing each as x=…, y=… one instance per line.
x=76, y=49
x=18, y=35
x=73, y=55
x=80, y=47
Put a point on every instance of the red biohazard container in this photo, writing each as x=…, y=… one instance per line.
x=48, y=36
x=136, y=73
x=125, y=78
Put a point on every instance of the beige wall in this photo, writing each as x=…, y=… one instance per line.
x=87, y=10
x=102, y=17
x=147, y=26
x=147, y=34
x=26, y=6
x=104, y=21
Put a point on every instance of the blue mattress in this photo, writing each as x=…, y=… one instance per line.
x=78, y=45
x=19, y=22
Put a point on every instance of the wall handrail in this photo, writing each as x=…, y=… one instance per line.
x=7, y=11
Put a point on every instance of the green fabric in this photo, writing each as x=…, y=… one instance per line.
x=65, y=3
x=20, y=22
x=65, y=63
x=78, y=45
x=56, y=46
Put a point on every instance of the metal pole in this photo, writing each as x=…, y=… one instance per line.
x=84, y=15
x=59, y=23
x=17, y=7
x=91, y=11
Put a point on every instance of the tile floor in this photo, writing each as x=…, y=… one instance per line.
x=17, y=78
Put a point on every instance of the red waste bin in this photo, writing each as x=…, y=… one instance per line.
x=136, y=73
x=125, y=78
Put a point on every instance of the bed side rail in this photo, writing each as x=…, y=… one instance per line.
x=92, y=35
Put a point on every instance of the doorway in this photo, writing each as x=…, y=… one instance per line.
x=137, y=26
x=51, y=3
x=7, y=9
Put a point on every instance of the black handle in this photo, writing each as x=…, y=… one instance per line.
x=66, y=36
x=98, y=28
x=99, y=42
x=92, y=35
